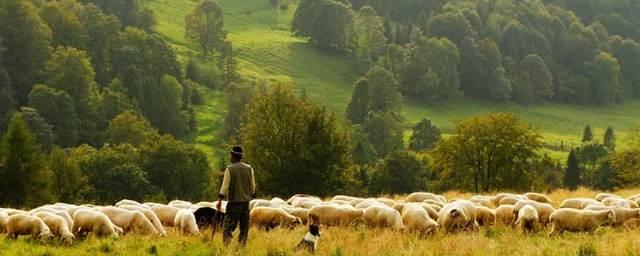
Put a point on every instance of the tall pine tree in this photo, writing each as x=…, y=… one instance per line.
x=572, y=173
x=609, y=140
x=587, y=134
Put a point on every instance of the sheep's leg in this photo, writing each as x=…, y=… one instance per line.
x=554, y=231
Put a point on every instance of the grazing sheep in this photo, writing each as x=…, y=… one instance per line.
x=527, y=219
x=509, y=200
x=334, y=215
x=15, y=211
x=544, y=210
x=306, y=202
x=268, y=218
x=614, y=201
x=421, y=196
x=150, y=215
x=24, y=225
x=482, y=202
x=185, y=221
x=3, y=220
x=67, y=218
x=344, y=198
x=340, y=202
x=180, y=204
x=128, y=202
x=574, y=220
x=622, y=214
x=417, y=220
x=496, y=199
x=540, y=198
x=458, y=215
x=386, y=201
x=579, y=203
x=436, y=202
x=129, y=220
x=166, y=214
x=301, y=196
x=399, y=206
x=368, y=203
x=57, y=225
x=603, y=196
x=504, y=215
x=382, y=216
x=432, y=210
x=88, y=220
x=301, y=213
x=485, y=216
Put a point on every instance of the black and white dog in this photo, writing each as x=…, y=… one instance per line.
x=310, y=241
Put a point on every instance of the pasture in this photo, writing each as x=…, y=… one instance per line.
x=357, y=240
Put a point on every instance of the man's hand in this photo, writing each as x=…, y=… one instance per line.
x=219, y=204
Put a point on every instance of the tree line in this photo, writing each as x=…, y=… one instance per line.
x=96, y=107
x=522, y=51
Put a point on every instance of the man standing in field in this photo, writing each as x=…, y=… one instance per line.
x=239, y=187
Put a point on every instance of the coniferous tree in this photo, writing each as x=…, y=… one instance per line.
x=358, y=107
x=425, y=136
x=609, y=139
x=587, y=134
x=572, y=172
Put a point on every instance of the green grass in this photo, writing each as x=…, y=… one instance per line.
x=266, y=49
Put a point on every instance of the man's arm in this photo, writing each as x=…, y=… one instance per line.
x=253, y=184
x=224, y=189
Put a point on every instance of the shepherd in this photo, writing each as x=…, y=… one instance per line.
x=238, y=187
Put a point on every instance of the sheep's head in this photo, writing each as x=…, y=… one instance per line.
x=45, y=235
x=454, y=213
x=68, y=238
x=611, y=217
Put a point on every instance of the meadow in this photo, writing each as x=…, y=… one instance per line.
x=358, y=240
x=266, y=50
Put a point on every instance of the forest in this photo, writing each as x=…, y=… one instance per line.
x=96, y=105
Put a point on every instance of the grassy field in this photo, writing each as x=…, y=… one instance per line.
x=358, y=241
x=267, y=50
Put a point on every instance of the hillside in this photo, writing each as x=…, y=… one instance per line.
x=266, y=49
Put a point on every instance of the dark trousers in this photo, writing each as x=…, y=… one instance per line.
x=236, y=212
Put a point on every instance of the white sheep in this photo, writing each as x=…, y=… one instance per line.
x=151, y=216
x=89, y=220
x=544, y=210
x=166, y=214
x=458, y=215
x=129, y=202
x=417, y=220
x=268, y=218
x=421, y=196
x=334, y=215
x=540, y=198
x=579, y=203
x=622, y=214
x=574, y=220
x=382, y=216
x=129, y=220
x=57, y=225
x=527, y=218
x=485, y=216
x=301, y=213
x=23, y=225
x=3, y=220
x=602, y=196
x=504, y=215
x=185, y=221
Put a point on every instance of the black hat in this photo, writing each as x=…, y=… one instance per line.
x=236, y=150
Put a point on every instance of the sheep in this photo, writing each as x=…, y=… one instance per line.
x=57, y=225
x=496, y=199
x=432, y=210
x=301, y=196
x=540, y=198
x=334, y=215
x=544, y=210
x=614, y=201
x=206, y=204
x=340, y=202
x=509, y=200
x=482, y=202
x=458, y=215
x=579, y=203
x=180, y=204
x=603, y=196
x=129, y=220
x=504, y=215
x=622, y=214
x=436, y=202
x=3, y=220
x=421, y=196
x=574, y=220
x=307, y=203
x=344, y=198
x=368, y=203
x=417, y=220
x=15, y=211
x=185, y=221
x=23, y=225
x=386, y=201
x=128, y=202
x=301, y=213
x=89, y=220
x=382, y=216
x=150, y=215
x=434, y=206
x=166, y=214
x=485, y=216
x=399, y=206
x=268, y=218
x=67, y=218
x=527, y=218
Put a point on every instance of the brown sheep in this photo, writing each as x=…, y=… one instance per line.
x=485, y=216
x=574, y=220
x=504, y=215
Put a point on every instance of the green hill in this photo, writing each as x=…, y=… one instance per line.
x=267, y=50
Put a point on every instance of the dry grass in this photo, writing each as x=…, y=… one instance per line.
x=358, y=240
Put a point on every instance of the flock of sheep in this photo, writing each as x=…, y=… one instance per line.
x=420, y=213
